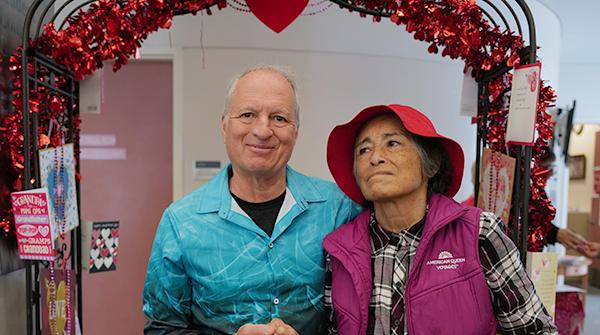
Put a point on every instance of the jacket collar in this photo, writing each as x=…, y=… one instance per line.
x=211, y=200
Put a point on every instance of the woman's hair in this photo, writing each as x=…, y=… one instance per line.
x=435, y=164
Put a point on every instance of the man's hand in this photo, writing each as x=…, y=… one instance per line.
x=253, y=329
x=282, y=328
x=275, y=327
x=570, y=239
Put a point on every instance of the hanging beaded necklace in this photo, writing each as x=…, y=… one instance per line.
x=494, y=181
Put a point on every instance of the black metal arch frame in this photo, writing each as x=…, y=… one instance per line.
x=40, y=62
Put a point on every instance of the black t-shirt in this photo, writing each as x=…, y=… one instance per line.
x=264, y=214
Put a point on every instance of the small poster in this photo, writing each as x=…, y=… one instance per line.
x=57, y=174
x=35, y=234
x=496, y=183
x=523, y=104
x=542, y=268
x=104, y=246
x=57, y=301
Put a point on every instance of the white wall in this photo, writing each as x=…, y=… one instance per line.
x=580, y=82
x=581, y=191
x=333, y=87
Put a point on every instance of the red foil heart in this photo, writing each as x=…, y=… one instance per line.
x=277, y=14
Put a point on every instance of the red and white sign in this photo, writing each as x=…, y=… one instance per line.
x=32, y=223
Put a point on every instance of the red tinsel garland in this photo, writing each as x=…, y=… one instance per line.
x=113, y=30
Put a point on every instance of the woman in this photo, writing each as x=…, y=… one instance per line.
x=416, y=261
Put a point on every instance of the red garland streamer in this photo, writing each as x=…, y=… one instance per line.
x=113, y=30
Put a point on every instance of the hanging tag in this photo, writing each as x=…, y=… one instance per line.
x=523, y=103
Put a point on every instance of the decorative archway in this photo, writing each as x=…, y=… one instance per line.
x=55, y=56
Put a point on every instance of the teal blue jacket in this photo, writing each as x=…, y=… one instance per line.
x=212, y=269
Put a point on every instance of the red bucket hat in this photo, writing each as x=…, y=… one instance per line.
x=340, y=147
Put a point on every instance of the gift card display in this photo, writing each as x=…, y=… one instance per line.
x=57, y=174
x=33, y=224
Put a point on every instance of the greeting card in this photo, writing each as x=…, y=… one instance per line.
x=57, y=174
x=103, y=239
x=57, y=298
x=496, y=183
x=542, y=269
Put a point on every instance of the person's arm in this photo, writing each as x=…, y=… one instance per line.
x=517, y=306
x=327, y=303
x=570, y=239
x=167, y=290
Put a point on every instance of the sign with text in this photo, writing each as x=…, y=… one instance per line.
x=523, y=103
x=35, y=235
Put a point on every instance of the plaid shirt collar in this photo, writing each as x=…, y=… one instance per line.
x=381, y=238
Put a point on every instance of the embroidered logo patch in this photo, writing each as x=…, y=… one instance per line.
x=446, y=261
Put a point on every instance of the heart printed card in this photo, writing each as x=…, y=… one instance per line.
x=104, y=246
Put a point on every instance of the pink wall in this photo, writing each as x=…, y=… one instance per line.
x=137, y=109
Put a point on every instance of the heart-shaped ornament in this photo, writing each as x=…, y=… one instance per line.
x=94, y=253
x=44, y=230
x=95, y=233
x=277, y=14
x=108, y=261
x=98, y=262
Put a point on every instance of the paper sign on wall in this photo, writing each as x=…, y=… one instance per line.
x=35, y=235
x=204, y=170
x=523, y=103
x=100, y=245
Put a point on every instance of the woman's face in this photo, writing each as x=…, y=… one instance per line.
x=387, y=165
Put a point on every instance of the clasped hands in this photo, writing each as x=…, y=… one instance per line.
x=572, y=240
x=275, y=327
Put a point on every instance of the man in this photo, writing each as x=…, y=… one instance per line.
x=242, y=254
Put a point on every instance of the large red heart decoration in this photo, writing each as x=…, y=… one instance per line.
x=277, y=14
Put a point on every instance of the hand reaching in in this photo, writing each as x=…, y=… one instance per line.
x=570, y=239
x=590, y=250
